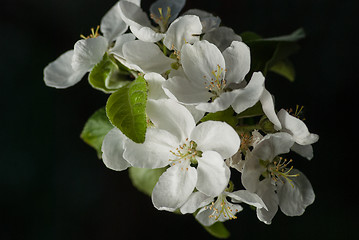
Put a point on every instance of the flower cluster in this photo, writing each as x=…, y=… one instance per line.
x=185, y=99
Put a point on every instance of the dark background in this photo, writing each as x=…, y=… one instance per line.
x=54, y=187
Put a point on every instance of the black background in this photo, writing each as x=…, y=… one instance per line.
x=54, y=187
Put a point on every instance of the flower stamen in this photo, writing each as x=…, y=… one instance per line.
x=94, y=33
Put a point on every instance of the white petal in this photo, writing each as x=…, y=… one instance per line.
x=143, y=54
x=199, y=60
x=88, y=52
x=120, y=41
x=213, y=174
x=270, y=199
x=146, y=34
x=209, y=22
x=174, y=187
x=238, y=61
x=133, y=15
x=268, y=108
x=184, y=91
x=183, y=30
x=195, y=201
x=155, y=82
x=168, y=115
x=249, y=95
x=154, y=152
x=303, y=150
x=216, y=136
x=197, y=114
x=59, y=73
x=247, y=197
x=112, y=25
x=273, y=145
x=113, y=147
x=220, y=103
x=251, y=172
x=222, y=37
x=174, y=5
x=296, y=128
x=295, y=197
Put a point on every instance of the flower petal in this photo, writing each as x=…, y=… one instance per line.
x=195, y=201
x=238, y=62
x=294, y=197
x=184, y=91
x=303, y=150
x=143, y=54
x=209, y=22
x=296, y=128
x=185, y=29
x=200, y=60
x=88, y=52
x=222, y=37
x=249, y=95
x=268, y=108
x=213, y=174
x=247, y=197
x=133, y=15
x=146, y=34
x=251, y=172
x=154, y=152
x=155, y=82
x=112, y=150
x=216, y=136
x=112, y=25
x=273, y=145
x=270, y=199
x=174, y=187
x=59, y=73
x=168, y=115
x=220, y=103
x=120, y=41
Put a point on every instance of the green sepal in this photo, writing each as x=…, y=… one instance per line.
x=95, y=130
x=145, y=179
x=126, y=109
x=228, y=116
x=217, y=230
x=107, y=76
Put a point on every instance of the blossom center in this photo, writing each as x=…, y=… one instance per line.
x=298, y=112
x=94, y=33
x=216, y=84
x=186, y=152
x=222, y=207
x=162, y=20
x=278, y=170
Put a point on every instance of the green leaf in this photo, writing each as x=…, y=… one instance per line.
x=107, y=77
x=95, y=130
x=145, y=179
x=254, y=111
x=227, y=116
x=218, y=230
x=284, y=68
x=126, y=109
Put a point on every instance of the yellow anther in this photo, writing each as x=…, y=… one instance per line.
x=94, y=33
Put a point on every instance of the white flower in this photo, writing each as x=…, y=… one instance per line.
x=176, y=141
x=147, y=57
x=274, y=181
x=162, y=11
x=220, y=209
x=300, y=133
x=70, y=67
